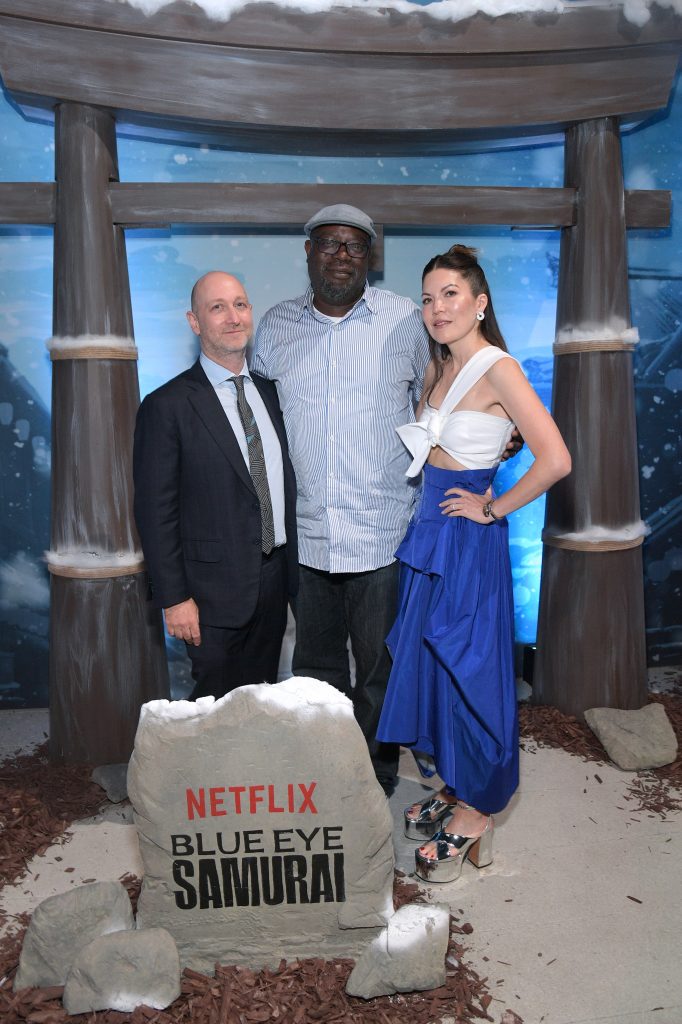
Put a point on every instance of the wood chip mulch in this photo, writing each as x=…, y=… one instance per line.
x=548, y=727
x=38, y=802
x=302, y=992
x=659, y=790
x=655, y=791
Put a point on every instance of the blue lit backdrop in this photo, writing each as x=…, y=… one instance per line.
x=521, y=266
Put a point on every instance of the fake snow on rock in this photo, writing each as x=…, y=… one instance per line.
x=287, y=695
x=638, y=12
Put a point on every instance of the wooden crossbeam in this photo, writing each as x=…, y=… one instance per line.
x=288, y=204
x=27, y=202
x=146, y=204
x=648, y=209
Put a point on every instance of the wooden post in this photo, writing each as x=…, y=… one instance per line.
x=107, y=654
x=591, y=639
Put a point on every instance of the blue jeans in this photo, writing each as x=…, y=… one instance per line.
x=330, y=608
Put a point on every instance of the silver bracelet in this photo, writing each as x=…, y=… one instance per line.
x=488, y=511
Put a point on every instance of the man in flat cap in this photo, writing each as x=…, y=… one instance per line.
x=348, y=360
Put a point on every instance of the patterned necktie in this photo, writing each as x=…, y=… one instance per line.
x=259, y=474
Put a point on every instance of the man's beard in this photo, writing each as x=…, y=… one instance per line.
x=334, y=293
x=338, y=295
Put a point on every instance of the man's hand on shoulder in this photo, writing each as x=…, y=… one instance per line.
x=182, y=621
x=514, y=446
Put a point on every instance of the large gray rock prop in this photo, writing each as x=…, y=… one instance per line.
x=263, y=831
x=62, y=925
x=124, y=970
x=408, y=956
x=635, y=740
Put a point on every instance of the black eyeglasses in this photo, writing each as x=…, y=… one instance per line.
x=330, y=246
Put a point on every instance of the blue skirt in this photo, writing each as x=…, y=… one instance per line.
x=452, y=690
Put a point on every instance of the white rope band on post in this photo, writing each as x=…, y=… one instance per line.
x=91, y=346
x=599, y=538
x=94, y=565
x=617, y=338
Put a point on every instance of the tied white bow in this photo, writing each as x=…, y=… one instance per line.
x=420, y=438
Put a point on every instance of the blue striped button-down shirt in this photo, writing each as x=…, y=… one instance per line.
x=344, y=387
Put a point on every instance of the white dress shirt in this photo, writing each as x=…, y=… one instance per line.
x=221, y=379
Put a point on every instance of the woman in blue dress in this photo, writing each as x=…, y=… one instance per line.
x=452, y=692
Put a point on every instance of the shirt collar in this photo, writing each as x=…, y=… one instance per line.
x=216, y=373
x=306, y=302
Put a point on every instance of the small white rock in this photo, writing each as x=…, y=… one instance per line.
x=408, y=956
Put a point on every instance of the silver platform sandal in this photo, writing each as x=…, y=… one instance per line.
x=451, y=852
x=431, y=815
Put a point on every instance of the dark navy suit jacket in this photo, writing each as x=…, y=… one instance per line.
x=195, y=505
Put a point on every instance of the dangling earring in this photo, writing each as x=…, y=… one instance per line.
x=480, y=315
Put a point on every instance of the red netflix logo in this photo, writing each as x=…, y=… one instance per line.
x=217, y=801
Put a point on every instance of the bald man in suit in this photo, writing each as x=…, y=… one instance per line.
x=215, y=500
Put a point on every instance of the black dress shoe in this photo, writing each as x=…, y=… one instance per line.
x=388, y=786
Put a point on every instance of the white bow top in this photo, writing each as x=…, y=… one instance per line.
x=474, y=439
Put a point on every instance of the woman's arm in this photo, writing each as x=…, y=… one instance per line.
x=541, y=434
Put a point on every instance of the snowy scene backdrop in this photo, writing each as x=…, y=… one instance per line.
x=522, y=269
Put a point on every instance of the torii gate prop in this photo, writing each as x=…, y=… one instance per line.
x=349, y=82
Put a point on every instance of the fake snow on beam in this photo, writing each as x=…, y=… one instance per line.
x=638, y=12
x=90, y=341
x=95, y=559
x=596, y=534
x=616, y=331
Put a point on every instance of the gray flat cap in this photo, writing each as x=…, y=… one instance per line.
x=341, y=213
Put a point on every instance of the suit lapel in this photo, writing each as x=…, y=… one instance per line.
x=207, y=406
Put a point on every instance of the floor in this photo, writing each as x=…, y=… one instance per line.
x=577, y=920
